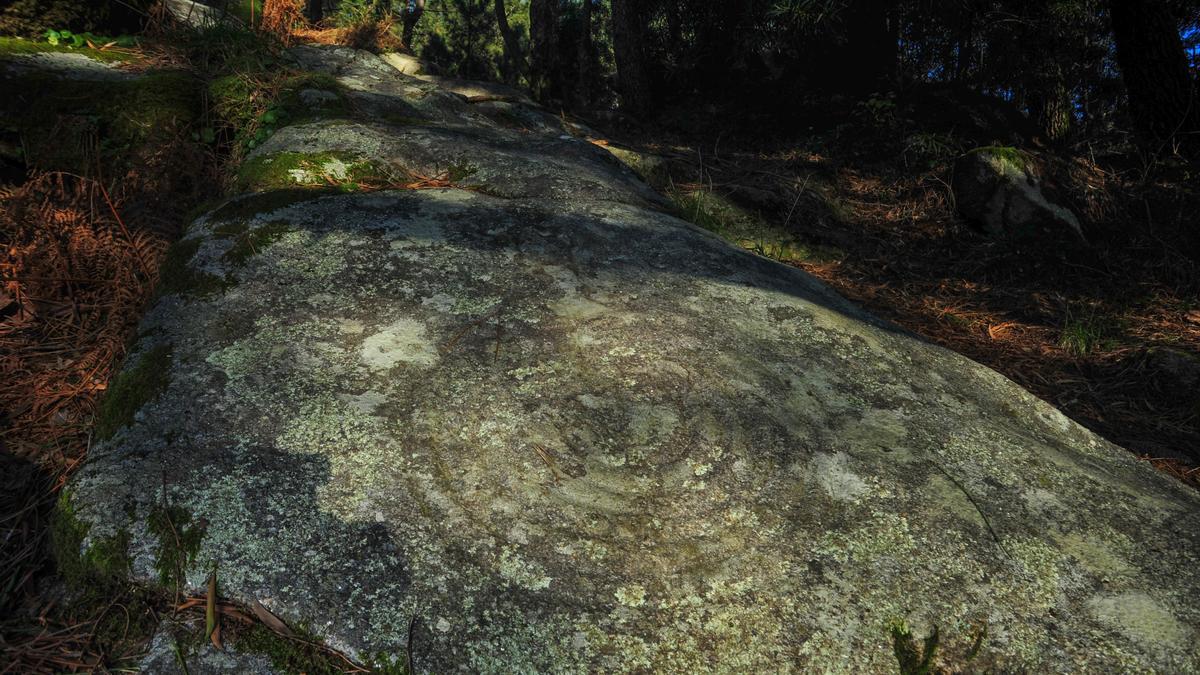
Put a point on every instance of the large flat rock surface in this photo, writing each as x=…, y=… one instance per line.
x=581, y=435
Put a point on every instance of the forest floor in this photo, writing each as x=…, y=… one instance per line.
x=1107, y=332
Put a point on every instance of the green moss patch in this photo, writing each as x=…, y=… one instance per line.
x=178, y=543
x=289, y=655
x=104, y=562
x=249, y=241
x=1014, y=157
x=178, y=277
x=99, y=579
x=745, y=229
x=131, y=389
x=341, y=171
x=651, y=168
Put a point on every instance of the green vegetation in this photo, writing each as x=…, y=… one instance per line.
x=719, y=215
x=176, y=276
x=20, y=46
x=249, y=241
x=460, y=171
x=1082, y=335
x=249, y=12
x=64, y=121
x=178, y=543
x=914, y=659
x=104, y=562
x=251, y=105
x=1008, y=155
x=131, y=389
x=303, y=655
x=922, y=659
x=342, y=171
x=98, y=578
x=652, y=169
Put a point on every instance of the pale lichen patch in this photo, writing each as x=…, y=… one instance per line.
x=522, y=572
x=1142, y=619
x=833, y=474
x=402, y=341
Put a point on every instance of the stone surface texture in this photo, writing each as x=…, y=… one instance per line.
x=569, y=432
x=65, y=65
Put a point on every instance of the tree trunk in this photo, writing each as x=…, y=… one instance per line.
x=512, y=47
x=587, y=55
x=543, y=49
x=629, y=50
x=1162, y=95
x=412, y=14
x=1052, y=106
x=316, y=10
x=871, y=53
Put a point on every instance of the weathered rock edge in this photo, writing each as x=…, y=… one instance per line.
x=586, y=436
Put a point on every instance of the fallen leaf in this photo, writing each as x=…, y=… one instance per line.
x=190, y=603
x=210, y=608
x=1193, y=316
x=273, y=622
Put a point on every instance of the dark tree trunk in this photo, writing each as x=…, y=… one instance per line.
x=1052, y=106
x=871, y=52
x=1162, y=95
x=862, y=56
x=512, y=47
x=543, y=49
x=315, y=10
x=587, y=55
x=629, y=50
x=412, y=14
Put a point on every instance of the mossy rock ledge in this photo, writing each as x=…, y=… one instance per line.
x=572, y=433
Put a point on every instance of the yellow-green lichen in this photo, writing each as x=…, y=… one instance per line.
x=340, y=171
x=131, y=389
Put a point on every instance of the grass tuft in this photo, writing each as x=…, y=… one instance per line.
x=1085, y=335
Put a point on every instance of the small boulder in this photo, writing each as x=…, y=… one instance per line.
x=1001, y=189
x=1177, y=369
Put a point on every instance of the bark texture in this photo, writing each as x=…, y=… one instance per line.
x=633, y=80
